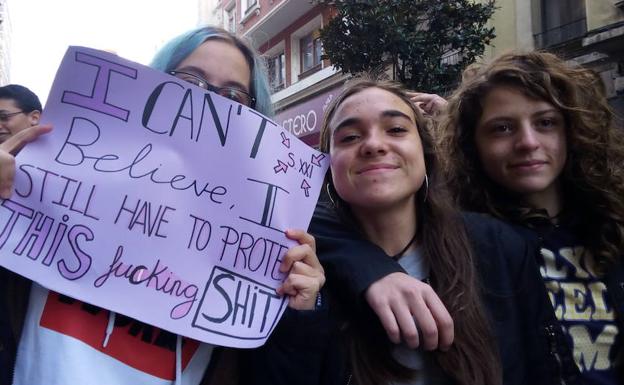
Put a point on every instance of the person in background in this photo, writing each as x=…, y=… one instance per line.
x=531, y=140
x=20, y=108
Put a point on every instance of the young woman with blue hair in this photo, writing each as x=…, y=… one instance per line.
x=64, y=341
x=214, y=46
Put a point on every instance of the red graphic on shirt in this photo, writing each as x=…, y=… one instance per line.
x=141, y=346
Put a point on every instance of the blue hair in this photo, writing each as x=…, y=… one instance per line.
x=180, y=47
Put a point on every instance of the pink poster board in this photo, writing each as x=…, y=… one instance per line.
x=159, y=200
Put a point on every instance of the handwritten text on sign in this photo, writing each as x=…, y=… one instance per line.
x=159, y=200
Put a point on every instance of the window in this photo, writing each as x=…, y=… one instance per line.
x=247, y=4
x=560, y=21
x=311, y=51
x=277, y=71
x=231, y=20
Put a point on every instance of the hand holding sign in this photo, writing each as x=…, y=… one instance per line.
x=306, y=276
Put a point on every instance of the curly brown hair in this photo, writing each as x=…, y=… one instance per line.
x=473, y=358
x=593, y=177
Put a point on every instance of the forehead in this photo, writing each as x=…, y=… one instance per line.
x=7, y=105
x=220, y=62
x=508, y=97
x=370, y=103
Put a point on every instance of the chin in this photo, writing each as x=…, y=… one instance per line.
x=379, y=202
x=528, y=188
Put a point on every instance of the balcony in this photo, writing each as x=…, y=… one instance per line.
x=561, y=34
x=278, y=18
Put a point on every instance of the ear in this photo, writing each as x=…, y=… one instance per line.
x=33, y=117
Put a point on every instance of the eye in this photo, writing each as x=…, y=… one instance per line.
x=546, y=123
x=501, y=128
x=397, y=130
x=235, y=94
x=193, y=80
x=232, y=94
x=348, y=138
x=189, y=77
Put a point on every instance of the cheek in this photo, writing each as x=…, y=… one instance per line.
x=338, y=169
x=17, y=125
x=561, y=146
x=340, y=165
x=492, y=158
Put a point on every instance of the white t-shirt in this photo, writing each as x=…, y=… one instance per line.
x=62, y=343
x=416, y=266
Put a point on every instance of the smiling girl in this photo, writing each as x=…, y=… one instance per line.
x=531, y=140
x=384, y=185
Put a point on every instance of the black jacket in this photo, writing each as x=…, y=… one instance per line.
x=560, y=364
x=305, y=347
x=7, y=340
x=14, y=292
x=550, y=359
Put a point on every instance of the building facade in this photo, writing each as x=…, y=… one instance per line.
x=209, y=12
x=587, y=32
x=5, y=43
x=286, y=33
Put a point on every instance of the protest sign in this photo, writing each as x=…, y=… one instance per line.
x=159, y=200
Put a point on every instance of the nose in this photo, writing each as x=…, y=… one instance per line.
x=527, y=138
x=374, y=144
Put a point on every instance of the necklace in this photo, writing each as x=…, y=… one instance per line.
x=400, y=254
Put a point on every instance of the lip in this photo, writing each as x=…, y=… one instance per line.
x=527, y=165
x=377, y=167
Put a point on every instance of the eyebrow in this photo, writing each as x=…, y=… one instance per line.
x=537, y=113
x=384, y=114
x=345, y=123
x=198, y=71
x=547, y=111
x=395, y=114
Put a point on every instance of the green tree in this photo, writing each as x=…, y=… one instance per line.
x=427, y=43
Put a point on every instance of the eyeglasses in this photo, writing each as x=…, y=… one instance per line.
x=232, y=93
x=6, y=117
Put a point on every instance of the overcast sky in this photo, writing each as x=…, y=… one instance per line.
x=134, y=29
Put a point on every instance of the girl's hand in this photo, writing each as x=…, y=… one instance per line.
x=306, y=276
x=405, y=306
x=429, y=104
x=9, y=148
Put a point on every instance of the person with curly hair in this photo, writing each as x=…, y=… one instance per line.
x=530, y=139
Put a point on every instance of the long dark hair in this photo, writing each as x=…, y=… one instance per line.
x=593, y=177
x=472, y=359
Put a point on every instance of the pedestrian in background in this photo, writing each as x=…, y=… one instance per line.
x=20, y=108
